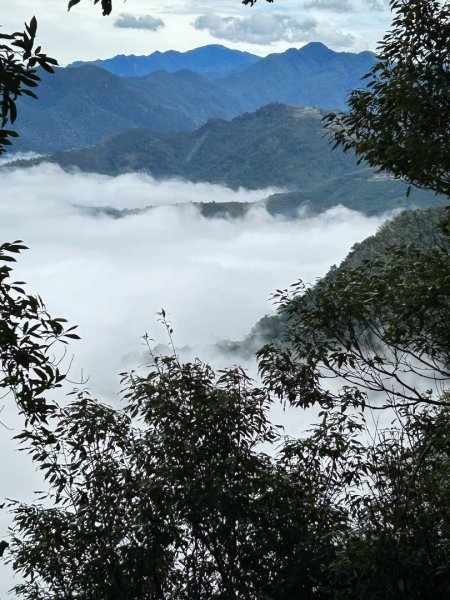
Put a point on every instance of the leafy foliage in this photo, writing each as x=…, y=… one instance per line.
x=399, y=547
x=29, y=337
x=105, y=4
x=379, y=329
x=173, y=498
x=400, y=123
x=18, y=75
x=419, y=228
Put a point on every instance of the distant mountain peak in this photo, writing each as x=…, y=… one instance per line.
x=316, y=50
x=210, y=61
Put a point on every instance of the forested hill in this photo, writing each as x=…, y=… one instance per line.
x=80, y=106
x=313, y=75
x=419, y=227
x=276, y=146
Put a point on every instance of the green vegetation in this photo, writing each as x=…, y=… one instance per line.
x=173, y=497
x=417, y=229
x=310, y=76
x=362, y=191
x=83, y=105
x=400, y=122
x=18, y=73
x=279, y=146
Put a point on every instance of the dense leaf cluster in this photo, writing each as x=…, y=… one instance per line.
x=18, y=73
x=380, y=329
x=401, y=122
x=173, y=498
x=29, y=340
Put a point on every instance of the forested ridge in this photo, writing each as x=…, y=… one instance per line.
x=80, y=106
x=416, y=229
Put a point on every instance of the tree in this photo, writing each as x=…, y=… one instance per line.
x=29, y=339
x=400, y=122
x=399, y=545
x=379, y=330
x=173, y=498
x=18, y=73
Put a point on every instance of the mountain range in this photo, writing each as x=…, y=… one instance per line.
x=212, y=61
x=276, y=146
x=80, y=106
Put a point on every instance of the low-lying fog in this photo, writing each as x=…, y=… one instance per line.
x=112, y=276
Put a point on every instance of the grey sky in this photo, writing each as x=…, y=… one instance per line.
x=148, y=22
x=83, y=34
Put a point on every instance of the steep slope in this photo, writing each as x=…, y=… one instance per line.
x=419, y=227
x=81, y=106
x=212, y=61
x=277, y=145
x=313, y=75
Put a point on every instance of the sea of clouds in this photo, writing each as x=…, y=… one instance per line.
x=214, y=277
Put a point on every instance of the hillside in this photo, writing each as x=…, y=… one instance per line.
x=409, y=227
x=364, y=191
x=212, y=61
x=81, y=106
x=277, y=145
x=313, y=75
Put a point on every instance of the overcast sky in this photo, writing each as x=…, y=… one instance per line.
x=143, y=26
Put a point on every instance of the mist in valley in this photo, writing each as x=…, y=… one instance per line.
x=111, y=277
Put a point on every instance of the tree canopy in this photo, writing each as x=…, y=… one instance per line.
x=18, y=74
x=400, y=123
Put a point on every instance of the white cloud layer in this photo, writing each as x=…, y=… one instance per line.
x=259, y=28
x=339, y=6
x=347, y=6
x=148, y=22
x=111, y=277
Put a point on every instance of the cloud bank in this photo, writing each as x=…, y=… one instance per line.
x=261, y=28
x=346, y=6
x=148, y=22
x=112, y=276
